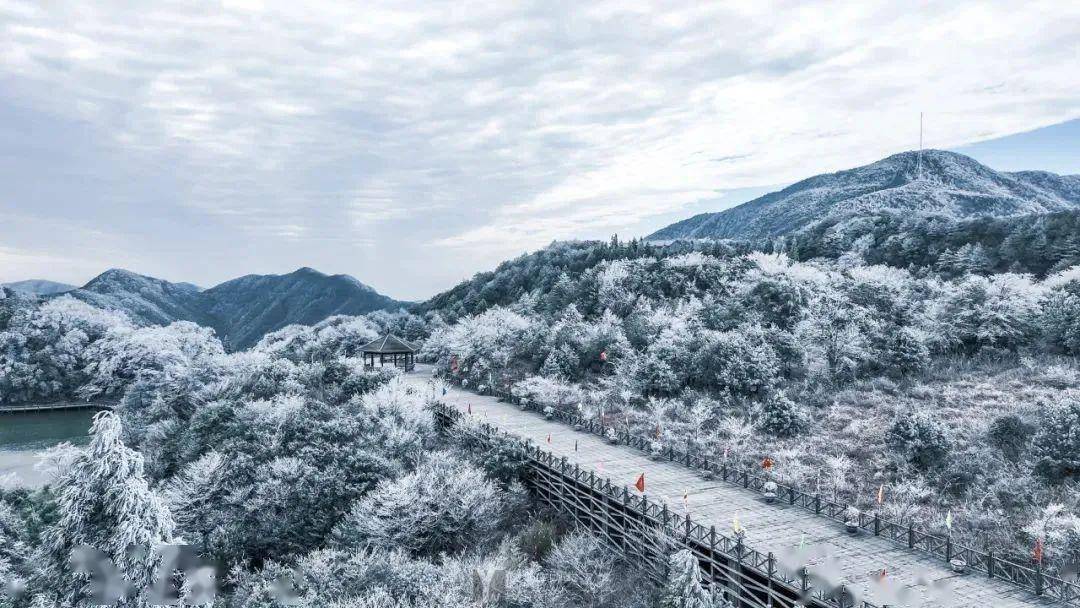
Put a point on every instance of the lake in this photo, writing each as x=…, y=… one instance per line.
x=24, y=434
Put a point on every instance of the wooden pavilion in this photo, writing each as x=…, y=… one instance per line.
x=389, y=348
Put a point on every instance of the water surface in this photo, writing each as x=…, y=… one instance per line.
x=23, y=435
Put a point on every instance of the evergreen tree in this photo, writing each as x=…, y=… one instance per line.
x=104, y=502
x=684, y=588
x=1056, y=445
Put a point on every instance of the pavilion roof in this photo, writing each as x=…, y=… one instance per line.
x=388, y=344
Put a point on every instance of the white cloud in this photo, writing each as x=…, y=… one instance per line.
x=501, y=126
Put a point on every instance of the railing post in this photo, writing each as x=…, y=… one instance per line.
x=1038, y=578
x=910, y=535
x=948, y=548
x=817, y=504
x=877, y=524
x=990, y=563
x=771, y=572
x=745, y=478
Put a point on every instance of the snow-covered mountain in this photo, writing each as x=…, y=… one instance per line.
x=38, y=287
x=247, y=308
x=940, y=182
x=148, y=301
x=241, y=310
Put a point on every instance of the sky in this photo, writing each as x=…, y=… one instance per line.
x=413, y=144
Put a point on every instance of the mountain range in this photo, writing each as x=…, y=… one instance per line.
x=242, y=310
x=931, y=181
x=38, y=287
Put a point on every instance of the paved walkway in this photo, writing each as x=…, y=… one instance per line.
x=778, y=528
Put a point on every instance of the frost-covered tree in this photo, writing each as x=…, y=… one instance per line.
x=1056, y=445
x=104, y=502
x=684, y=589
x=1061, y=317
x=44, y=350
x=918, y=439
x=778, y=415
x=583, y=569
x=446, y=505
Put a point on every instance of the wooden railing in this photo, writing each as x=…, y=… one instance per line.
x=647, y=532
x=1032, y=579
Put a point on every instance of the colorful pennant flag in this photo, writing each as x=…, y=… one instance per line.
x=736, y=527
x=603, y=356
x=640, y=483
x=1037, y=553
x=767, y=463
x=881, y=495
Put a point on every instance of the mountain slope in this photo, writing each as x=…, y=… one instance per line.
x=148, y=301
x=38, y=287
x=247, y=308
x=940, y=182
x=241, y=310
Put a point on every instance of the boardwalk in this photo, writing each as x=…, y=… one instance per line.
x=50, y=407
x=773, y=528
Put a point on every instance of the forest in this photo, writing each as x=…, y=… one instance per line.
x=292, y=473
x=954, y=395
x=954, y=392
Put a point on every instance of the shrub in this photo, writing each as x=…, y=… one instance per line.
x=446, y=505
x=1010, y=434
x=779, y=416
x=1056, y=446
x=919, y=439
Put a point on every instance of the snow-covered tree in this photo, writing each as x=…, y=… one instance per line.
x=919, y=439
x=104, y=502
x=447, y=505
x=684, y=589
x=583, y=569
x=1056, y=445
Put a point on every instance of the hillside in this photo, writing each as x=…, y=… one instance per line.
x=242, y=310
x=148, y=301
x=245, y=309
x=948, y=184
x=38, y=287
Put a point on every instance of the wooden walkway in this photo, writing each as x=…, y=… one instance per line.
x=857, y=560
x=52, y=407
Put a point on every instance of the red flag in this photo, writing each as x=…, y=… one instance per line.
x=767, y=463
x=603, y=356
x=640, y=483
x=1037, y=554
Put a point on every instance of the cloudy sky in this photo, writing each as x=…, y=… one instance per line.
x=412, y=144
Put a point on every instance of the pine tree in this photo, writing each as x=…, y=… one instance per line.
x=684, y=588
x=104, y=502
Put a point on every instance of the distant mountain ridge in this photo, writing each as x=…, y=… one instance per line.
x=242, y=310
x=933, y=181
x=38, y=287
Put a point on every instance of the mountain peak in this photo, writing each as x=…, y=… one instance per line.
x=930, y=181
